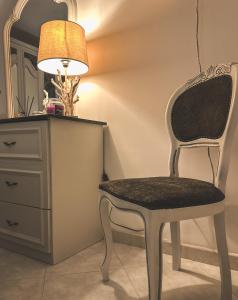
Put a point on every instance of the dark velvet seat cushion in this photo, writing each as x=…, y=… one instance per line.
x=163, y=192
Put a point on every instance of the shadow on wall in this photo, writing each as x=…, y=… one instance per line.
x=232, y=223
x=231, y=197
x=113, y=160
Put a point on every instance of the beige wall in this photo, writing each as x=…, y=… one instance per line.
x=219, y=24
x=133, y=73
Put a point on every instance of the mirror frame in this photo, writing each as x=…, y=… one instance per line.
x=14, y=17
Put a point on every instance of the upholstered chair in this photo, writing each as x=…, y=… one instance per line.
x=202, y=113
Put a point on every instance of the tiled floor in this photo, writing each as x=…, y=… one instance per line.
x=78, y=278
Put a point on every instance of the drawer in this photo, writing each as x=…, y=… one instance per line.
x=23, y=187
x=21, y=143
x=25, y=225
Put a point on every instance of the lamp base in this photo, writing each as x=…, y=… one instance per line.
x=69, y=110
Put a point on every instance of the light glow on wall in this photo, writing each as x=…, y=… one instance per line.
x=90, y=24
x=86, y=87
x=96, y=16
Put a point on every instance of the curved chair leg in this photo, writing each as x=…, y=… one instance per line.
x=105, y=220
x=176, y=247
x=153, y=239
x=226, y=285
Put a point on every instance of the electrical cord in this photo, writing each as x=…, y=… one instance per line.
x=211, y=163
x=212, y=166
x=105, y=177
x=197, y=36
x=200, y=69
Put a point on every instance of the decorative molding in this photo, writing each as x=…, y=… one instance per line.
x=31, y=69
x=212, y=71
x=40, y=242
x=38, y=174
x=26, y=250
x=14, y=17
x=32, y=156
x=3, y=116
x=72, y=9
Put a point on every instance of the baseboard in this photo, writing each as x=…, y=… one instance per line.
x=199, y=254
x=24, y=250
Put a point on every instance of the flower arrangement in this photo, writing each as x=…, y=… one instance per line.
x=25, y=109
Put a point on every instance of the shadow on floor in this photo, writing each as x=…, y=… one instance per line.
x=209, y=279
x=209, y=291
x=193, y=292
x=119, y=291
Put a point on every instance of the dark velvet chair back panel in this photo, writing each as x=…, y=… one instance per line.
x=202, y=110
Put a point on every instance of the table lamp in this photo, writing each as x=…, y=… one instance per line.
x=62, y=51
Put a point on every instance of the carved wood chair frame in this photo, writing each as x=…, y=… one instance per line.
x=154, y=220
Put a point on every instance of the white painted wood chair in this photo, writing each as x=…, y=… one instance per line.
x=202, y=113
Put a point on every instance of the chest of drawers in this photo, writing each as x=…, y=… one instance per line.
x=50, y=169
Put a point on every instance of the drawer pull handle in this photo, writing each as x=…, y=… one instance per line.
x=9, y=144
x=10, y=184
x=12, y=224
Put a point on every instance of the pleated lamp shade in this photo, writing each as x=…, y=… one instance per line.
x=62, y=40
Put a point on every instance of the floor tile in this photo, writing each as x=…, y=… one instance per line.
x=195, y=280
x=85, y=261
x=208, y=273
x=176, y=285
x=78, y=277
x=89, y=286
x=130, y=256
x=234, y=275
x=21, y=289
x=14, y=266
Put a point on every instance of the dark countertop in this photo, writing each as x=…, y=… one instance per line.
x=48, y=117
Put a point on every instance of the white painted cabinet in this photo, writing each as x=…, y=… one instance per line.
x=50, y=169
x=27, y=80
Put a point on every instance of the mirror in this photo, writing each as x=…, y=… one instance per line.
x=25, y=83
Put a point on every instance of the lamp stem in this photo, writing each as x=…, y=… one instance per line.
x=69, y=108
x=65, y=74
x=65, y=63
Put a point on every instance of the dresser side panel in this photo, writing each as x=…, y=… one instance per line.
x=76, y=170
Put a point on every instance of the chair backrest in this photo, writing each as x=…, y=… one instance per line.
x=204, y=113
